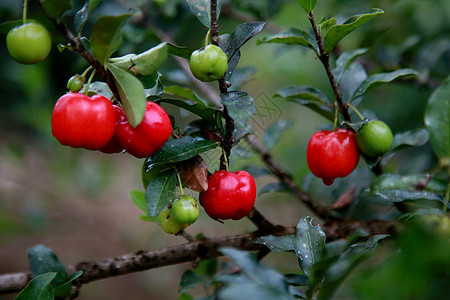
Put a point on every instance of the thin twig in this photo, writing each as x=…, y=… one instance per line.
x=78, y=47
x=325, y=59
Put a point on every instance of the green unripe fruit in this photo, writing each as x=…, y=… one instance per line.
x=208, y=63
x=29, y=43
x=75, y=83
x=374, y=139
x=168, y=222
x=185, y=209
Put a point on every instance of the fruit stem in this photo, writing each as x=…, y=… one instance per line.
x=87, y=71
x=335, y=117
x=86, y=89
x=207, y=38
x=225, y=158
x=356, y=111
x=179, y=181
x=24, y=14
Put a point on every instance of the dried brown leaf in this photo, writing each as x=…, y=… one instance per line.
x=194, y=174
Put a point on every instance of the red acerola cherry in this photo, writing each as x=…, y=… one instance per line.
x=229, y=195
x=113, y=145
x=149, y=136
x=332, y=154
x=80, y=121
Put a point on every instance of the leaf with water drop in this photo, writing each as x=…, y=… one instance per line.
x=309, y=242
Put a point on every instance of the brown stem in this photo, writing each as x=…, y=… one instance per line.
x=325, y=59
x=78, y=47
x=228, y=140
x=207, y=248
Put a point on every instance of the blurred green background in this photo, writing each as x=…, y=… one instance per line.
x=76, y=201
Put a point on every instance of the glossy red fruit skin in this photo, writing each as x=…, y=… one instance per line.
x=113, y=145
x=332, y=154
x=80, y=121
x=149, y=136
x=229, y=195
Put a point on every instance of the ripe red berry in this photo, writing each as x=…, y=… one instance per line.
x=149, y=136
x=229, y=195
x=80, y=121
x=332, y=154
x=113, y=145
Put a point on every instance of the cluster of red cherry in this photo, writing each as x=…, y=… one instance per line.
x=333, y=154
x=95, y=123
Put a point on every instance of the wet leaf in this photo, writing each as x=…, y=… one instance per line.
x=309, y=243
x=181, y=149
x=277, y=243
x=160, y=191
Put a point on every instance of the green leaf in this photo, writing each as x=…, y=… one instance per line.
x=189, y=100
x=138, y=198
x=179, y=51
x=408, y=182
x=42, y=260
x=82, y=15
x=326, y=24
x=277, y=243
x=263, y=276
x=5, y=27
x=292, y=36
x=241, y=35
x=64, y=290
x=185, y=297
x=340, y=269
x=145, y=63
x=437, y=121
x=56, y=8
x=181, y=149
x=38, y=288
x=344, y=61
x=338, y=32
x=307, y=5
x=131, y=93
x=415, y=198
x=351, y=79
x=150, y=170
x=274, y=187
x=107, y=37
x=240, y=106
x=273, y=134
x=98, y=88
x=309, y=97
x=309, y=243
x=377, y=79
x=197, y=108
x=411, y=138
x=190, y=280
x=207, y=267
x=160, y=191
x=202, y=10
